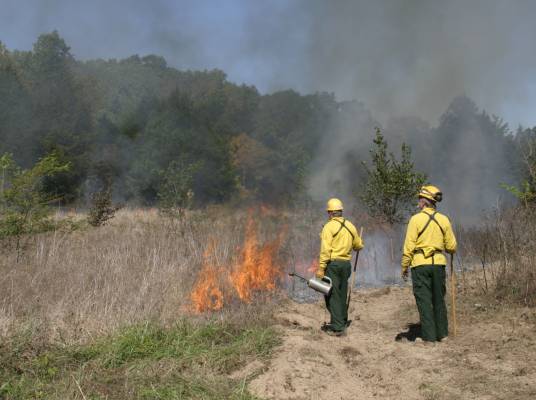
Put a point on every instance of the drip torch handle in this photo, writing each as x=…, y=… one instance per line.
x=355, y=261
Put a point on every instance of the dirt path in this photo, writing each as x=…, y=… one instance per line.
x=488, y=359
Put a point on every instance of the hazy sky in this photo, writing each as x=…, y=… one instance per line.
x=397, y=56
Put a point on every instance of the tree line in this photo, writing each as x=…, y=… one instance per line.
x=150, y=133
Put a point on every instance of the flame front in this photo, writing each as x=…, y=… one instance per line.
x=256, y=269
x=207, y=295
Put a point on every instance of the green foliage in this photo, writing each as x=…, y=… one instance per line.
x=391, y=185
x=197, y=360
x=526, y=150
x=525, y=194
x=128, y=119
x=176, y=194
x=134, y=117
x=24, y=205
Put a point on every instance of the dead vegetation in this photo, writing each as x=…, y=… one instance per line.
x=502, y=253
x=139, y=267
x=122, y=292
x=107, y=312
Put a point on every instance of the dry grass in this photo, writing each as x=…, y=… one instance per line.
x=502, y=251
x=140, y=267
x=106, y=312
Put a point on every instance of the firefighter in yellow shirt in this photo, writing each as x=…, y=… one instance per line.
x=339, y=236
x=428, y=236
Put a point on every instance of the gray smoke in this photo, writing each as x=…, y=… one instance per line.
x=407, y=57
x=337, y=166
x=413, y=57
x=396, y=59
x=406, y=61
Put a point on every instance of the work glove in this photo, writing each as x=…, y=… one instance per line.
x=405, y=274
x=320, y=273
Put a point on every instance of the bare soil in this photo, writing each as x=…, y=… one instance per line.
x=493, y=355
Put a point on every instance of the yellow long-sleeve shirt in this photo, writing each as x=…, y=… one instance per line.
x=427, y=248
x=339, y=245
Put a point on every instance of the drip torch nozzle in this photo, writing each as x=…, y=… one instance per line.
x=298, y=276
x=322, y=286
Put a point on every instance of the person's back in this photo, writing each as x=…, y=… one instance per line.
x=428, y=236
x=339, y=236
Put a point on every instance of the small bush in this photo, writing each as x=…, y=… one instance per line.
x=175, y=194
x=24, y=204
x=102, y=209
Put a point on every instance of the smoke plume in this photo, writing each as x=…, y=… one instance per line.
x=398, y=57
x=387, y=60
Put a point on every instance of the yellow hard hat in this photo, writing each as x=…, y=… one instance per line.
x=334, y=205
x=431, y=193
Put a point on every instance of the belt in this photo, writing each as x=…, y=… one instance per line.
x=421, y=251
x=339, y=259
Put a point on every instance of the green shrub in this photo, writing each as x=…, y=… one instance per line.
x=391, y=185
x=24, y=205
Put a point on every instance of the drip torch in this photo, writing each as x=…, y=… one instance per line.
x=323, y=286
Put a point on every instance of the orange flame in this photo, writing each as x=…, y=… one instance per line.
x=257, y=269
x=207, y=295
x=313, y=267
x=306, y=269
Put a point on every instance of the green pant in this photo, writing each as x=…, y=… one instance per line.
x=339, y=271
x=429, y=290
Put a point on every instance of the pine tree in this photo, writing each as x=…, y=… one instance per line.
x=391, y=185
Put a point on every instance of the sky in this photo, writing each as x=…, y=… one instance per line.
x=398, y=57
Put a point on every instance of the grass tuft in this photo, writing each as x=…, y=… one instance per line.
x=145, y=361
